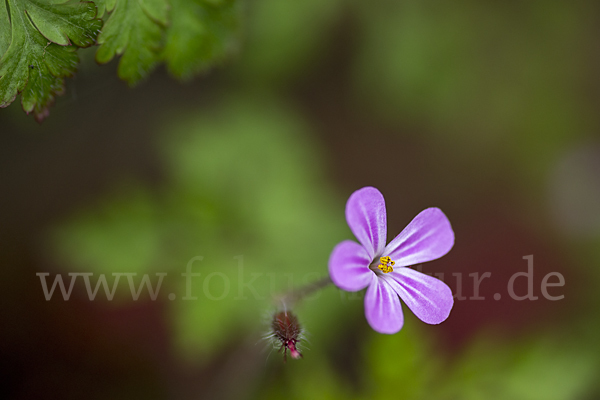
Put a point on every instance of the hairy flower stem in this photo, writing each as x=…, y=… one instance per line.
x=290, y=299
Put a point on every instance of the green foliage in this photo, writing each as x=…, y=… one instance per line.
x=201, y=33
x=189, y=35
x=104, y=5
x=43, y=38
x=39, y=41
x=134, y=29
x=5, y=34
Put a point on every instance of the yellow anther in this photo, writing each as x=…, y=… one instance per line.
x=386, y=264
x=385, y=268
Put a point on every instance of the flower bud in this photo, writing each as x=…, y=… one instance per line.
x=287, y=332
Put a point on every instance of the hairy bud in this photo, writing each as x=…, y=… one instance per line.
x=286, y=333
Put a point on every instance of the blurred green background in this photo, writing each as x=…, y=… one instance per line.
x=485, y=109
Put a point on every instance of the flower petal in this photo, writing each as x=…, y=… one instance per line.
x=382, y=307
x=349, y=266
x=429, y=298
x=427, y=237
x=365, y=214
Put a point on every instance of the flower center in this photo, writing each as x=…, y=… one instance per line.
x=386, y=264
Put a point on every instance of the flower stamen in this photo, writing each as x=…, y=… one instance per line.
x=386, y=264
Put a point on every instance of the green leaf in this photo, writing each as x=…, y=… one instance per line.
x=133, y=30
x=4, y=33
x=201, y=32
x=42, y=39
x=104, y=5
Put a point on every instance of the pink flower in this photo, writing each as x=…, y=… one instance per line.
x=383, y=269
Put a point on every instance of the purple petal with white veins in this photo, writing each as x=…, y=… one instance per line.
x=349, y=266
x=382, y=307
x=365, y=214
x=429, y=298
x=427, y=237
